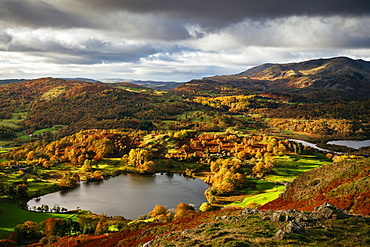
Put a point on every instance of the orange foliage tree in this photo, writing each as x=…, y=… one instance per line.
x=183, y=209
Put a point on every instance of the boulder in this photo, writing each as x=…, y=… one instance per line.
x=247, y=211
x=280, y=216
x=328, y=211
x=281, y=234
x=294, y=227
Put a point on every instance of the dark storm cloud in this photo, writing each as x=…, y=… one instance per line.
x=208, y=14
x=36, y=13
x=5, y=38
x=235, y=10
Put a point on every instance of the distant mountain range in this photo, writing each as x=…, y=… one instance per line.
x=160, y=85
x=338, y=78
x=331, y=79
x=6, y=81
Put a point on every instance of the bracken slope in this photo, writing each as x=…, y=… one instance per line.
x=346, y=184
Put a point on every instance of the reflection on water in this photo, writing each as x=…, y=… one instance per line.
x=129, y=195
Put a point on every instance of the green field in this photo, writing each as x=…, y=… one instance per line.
x=8, y=221
x=290, y=166
x=261, y=199
x=3, y=150
x=13, y=122
x=287, y=169
x=54, y=130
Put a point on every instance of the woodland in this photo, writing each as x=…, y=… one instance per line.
x=56, y=133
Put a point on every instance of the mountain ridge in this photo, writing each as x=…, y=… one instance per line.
x=342, y=77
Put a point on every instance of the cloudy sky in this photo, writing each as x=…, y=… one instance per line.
x=174, y=40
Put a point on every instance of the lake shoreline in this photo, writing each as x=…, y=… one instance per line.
x=128, y=195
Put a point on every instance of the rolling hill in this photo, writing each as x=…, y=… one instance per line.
x=81, y=105
x=321, y=79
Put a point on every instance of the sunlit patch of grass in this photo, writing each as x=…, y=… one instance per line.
x=290, y=166
x=13, y=122
x=53, y=93
x=260, y=199
x=54, y=129
x=43, y=187
x=4, y=150
x=108, y=164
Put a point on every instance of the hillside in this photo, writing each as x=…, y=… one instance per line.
x=334, y=78
x=344, y=183
x=47, y=102
x=326, y=226
x=237, y=133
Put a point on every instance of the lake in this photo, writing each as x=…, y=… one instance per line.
x=309, y=144
x=347, y=143
x=129, y=195
x=351, y=144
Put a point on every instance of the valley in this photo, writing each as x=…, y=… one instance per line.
x=241, y=134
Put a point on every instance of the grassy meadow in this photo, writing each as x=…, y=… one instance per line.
x=8, y=221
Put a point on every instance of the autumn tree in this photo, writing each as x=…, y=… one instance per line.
x=272, y=144
x=264, y=165
x=87, y=167
x=27, y=230
x=55, y=227
x=227, y=177
x=139, y=159
x=206, y=206
x=183, y=209
x=69, y=180
x=147, y=167
x=21, y=191
x=161, y=214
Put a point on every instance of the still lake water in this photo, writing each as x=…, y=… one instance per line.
x=351, y=144
x=129, y=195
x=347, y=143
x=309, y=144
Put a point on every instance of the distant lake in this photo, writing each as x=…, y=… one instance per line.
x=129, y=195
x=309, y=144
x=351, y=144
x=347, y=143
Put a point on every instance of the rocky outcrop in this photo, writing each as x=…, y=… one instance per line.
x=300, y=222
x=328, y=211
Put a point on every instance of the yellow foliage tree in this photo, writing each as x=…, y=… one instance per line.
x=182, y=210
x=161, y=214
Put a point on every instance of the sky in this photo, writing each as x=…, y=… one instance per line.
x=173, y=40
